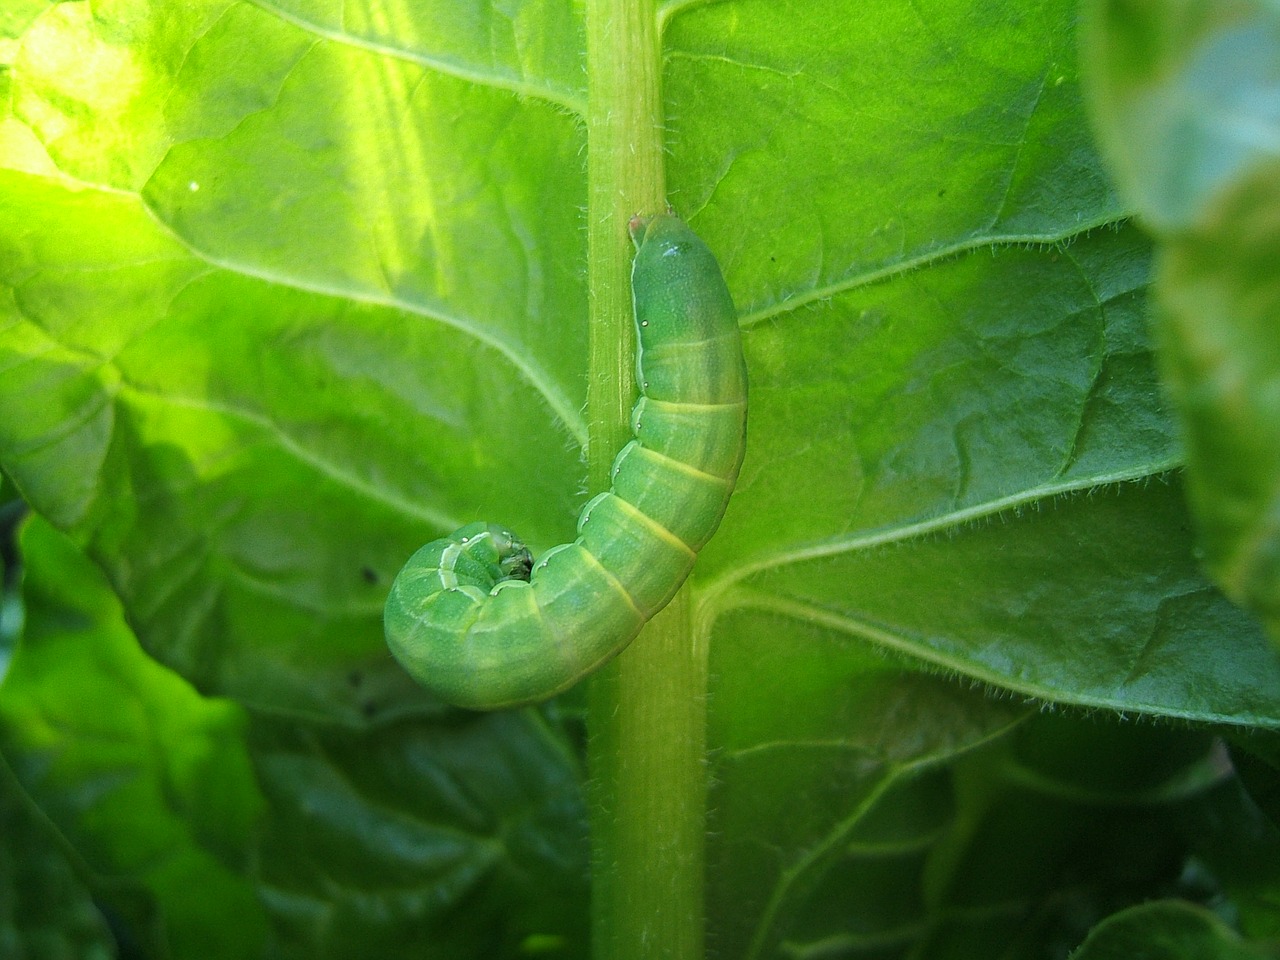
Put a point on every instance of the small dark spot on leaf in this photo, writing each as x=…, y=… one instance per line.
x=942, y=192
x=355, y=678
x=369, y=574
x=369, y=709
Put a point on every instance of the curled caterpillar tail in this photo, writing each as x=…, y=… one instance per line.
x=475, y=620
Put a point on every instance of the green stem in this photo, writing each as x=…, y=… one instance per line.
x=647, y=709
x=647, y=756
x=625, y=176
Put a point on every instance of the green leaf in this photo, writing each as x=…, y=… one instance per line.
x=308, y=348
x=1258, y=759
x=1187, y=98
x=45, y=910
x=461, y=840
x=215, y=833
x=149, y=782
x=1167, y=931
x=1052, y=618
x=294, y=415
x=846, y=787
x=1025, y=836
x=1237, y=836
x=288, y=289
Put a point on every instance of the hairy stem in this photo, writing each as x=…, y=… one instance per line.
x=647, y=709
x=649, y=796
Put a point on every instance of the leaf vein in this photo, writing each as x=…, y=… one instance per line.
x=571, y=101
x=533, y=374
x=326, y=468
x=924, y=259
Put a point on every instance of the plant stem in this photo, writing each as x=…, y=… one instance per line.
x=647, y=720
x=647, y=715
x=625, y=176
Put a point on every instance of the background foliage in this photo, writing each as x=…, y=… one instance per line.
x=288, y=288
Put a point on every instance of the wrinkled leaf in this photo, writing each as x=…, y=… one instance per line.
x=457, y=840
x=288, y=289
x=251, y=424
x=251, y=833
x=308, y=346
x=148, y=781
x=1168, y=931
x=1187, y=98
x=1032, y=832
x=1237, y=836
x=45, y=910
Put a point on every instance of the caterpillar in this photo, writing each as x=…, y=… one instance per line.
x=477, y=622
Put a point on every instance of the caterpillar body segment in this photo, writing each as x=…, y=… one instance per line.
x=481, y=624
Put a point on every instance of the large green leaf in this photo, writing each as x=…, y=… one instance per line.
x=1187, y=98
x=45, y=910
x=1168, y=931
x=453, y=840
x=974, y=835
x=218, y=834
x=147, y=780
x=340, y=310
x=288, y=289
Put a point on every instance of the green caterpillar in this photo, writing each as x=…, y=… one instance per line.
x=478, y=623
